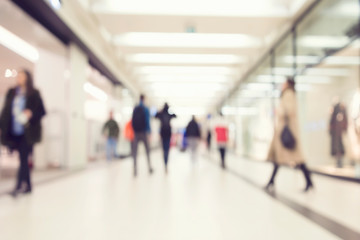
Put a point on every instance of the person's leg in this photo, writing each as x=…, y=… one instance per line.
x=196, y=144
x=24, y=150
x=147, y=149
x=135, y=149
x=20, y=170
x=222, y=155
x=114, y=148
x=273, y=175
x=307, y=176
x=191, y=144
x=166, y=148
x=108, y=149
x=209, y=141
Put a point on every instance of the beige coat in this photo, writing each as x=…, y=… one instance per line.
x=278, y=153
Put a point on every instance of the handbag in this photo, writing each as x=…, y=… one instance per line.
x=287, y=138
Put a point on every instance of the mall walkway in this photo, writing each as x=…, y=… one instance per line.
x=195, y=201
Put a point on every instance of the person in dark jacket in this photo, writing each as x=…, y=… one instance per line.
x=141, y=125
x=165, y=131
x=111, y=131
x=193, y=136
x=20, y=124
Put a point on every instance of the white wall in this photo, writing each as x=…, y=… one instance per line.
x=50, y=80
x=77, y=136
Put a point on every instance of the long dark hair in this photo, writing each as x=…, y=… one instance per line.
x=290, y=85
x=29, y=81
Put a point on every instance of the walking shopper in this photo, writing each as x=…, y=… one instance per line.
x=165, y=131
x=208, y=132
x=221, y=129
x=193, y=136
x=20, y=125
x=111, y=131
x=141, y=126
x=285, y=147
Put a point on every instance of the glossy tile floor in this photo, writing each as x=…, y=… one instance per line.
x=194, y=201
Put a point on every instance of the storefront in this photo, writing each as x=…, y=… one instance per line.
x=77, y=96
x=322, y=52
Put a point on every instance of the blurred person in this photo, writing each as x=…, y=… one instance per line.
x=337, y=127
x=141, y=126
x=111, y=131
x=165, y=131
x=193, y=136
x=285, y=147
x=130, y=135
x=221, y=129
x=20, y=125
x=208, y=132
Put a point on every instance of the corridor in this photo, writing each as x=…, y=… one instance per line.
x=194, y=201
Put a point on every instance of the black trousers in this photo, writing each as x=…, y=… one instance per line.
x=166, y=149
x=24, y=150
x=302, y=167
x=222, y=155
x=141, y=137
x=208, y=140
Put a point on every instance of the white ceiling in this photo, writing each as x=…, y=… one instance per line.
x=190, y=52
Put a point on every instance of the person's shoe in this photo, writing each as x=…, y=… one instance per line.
x=308, y=187
x=151, y=171
x=269, y=187
x=27, y=191
x=15, y=192
x=135, y=172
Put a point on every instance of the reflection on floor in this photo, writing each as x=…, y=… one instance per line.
x=194, y=201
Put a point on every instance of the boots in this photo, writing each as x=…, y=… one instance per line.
x=306, y=172
x=270, y=185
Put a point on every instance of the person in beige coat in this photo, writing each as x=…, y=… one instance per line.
x=286, y=115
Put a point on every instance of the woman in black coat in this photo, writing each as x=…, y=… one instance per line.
x=165, y=131
x=20, y=124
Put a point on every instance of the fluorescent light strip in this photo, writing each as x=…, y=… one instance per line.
x=301, y=59
x=186, y=78
x=323, y=41
x=340, y=72
x=18, y=45
x=186, y=70
x=187, y=40
x=190, y=8
x=183, y=87
x=185, y=58
x=342, y=60
x=95, y=92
